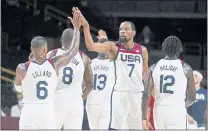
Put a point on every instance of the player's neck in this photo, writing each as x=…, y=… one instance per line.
x=102, y=58
x=40, y=59
x=167, y=57
x=129, y=45
x=65, y=47
x=197, y=86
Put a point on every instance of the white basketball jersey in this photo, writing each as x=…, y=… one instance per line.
x=129, y=68
x=71, y=76
x=170, y=82
x=39, y=83
x=103, y=77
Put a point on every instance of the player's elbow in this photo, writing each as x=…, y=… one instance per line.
x=90, y=85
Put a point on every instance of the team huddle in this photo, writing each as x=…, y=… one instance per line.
x=117, y=84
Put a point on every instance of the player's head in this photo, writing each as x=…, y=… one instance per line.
x=197, y=77
x=66, y=38
x=103, y=55
x=127, y=31
x=39, y=46
x=172, y=46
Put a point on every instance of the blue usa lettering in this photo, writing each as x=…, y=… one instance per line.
x=130, y=58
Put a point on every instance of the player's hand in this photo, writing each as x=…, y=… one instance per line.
x=83, y=20
x=191, y=120
x=77, y=17
x=146, y=125
x=102, y=34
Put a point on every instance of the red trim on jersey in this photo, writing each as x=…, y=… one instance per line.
x=55, y=51
x=51, y=62
x=151, y=105
x=136, y=50
x=182, y=62
x=27, y=64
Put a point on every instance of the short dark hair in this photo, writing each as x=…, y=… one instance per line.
x=172, y=46
x=67, y=36
x=133, y=27
x=38, y=42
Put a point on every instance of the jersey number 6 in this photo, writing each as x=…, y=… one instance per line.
x=42, y=92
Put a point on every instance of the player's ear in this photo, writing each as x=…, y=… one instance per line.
x=133, y=33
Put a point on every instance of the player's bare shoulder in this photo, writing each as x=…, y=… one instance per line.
x=20, y=67
x=187, y=69
x=144, y=50
x=21, y=71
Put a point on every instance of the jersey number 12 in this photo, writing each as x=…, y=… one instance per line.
x=166, y=81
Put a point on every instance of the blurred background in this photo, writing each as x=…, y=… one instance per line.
x=154, y=20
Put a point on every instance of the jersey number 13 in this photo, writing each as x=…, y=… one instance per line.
x=101, y=79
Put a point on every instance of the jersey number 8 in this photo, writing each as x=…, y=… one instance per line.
x=67, y=75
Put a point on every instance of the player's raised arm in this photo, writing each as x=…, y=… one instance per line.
x=88, y=76
x=191, y=91
x=91, y=45
x=20, y=74
x=145, y=57
x=64, y=59
x=146, y=97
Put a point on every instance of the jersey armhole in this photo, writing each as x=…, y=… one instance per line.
x=51, y=62
x=182, y=62
x=117, y=44
x=140, y=48
x=27, y=64
x=80, y=52
x=55, y=52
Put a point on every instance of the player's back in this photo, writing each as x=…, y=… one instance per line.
x=129, y=68
x=170, y=82
x=103, y=78
x=39, y=86
x=69, y=102
x=39, y=83
x=71, y=76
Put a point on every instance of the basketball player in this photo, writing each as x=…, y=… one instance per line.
x=131, y=63
x=69, y=98
x=98, y=102
x=37, y=80
x=171, y=78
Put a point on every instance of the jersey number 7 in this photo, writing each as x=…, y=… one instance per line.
x=132, y=68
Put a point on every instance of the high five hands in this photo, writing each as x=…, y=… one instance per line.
x=82, y=20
